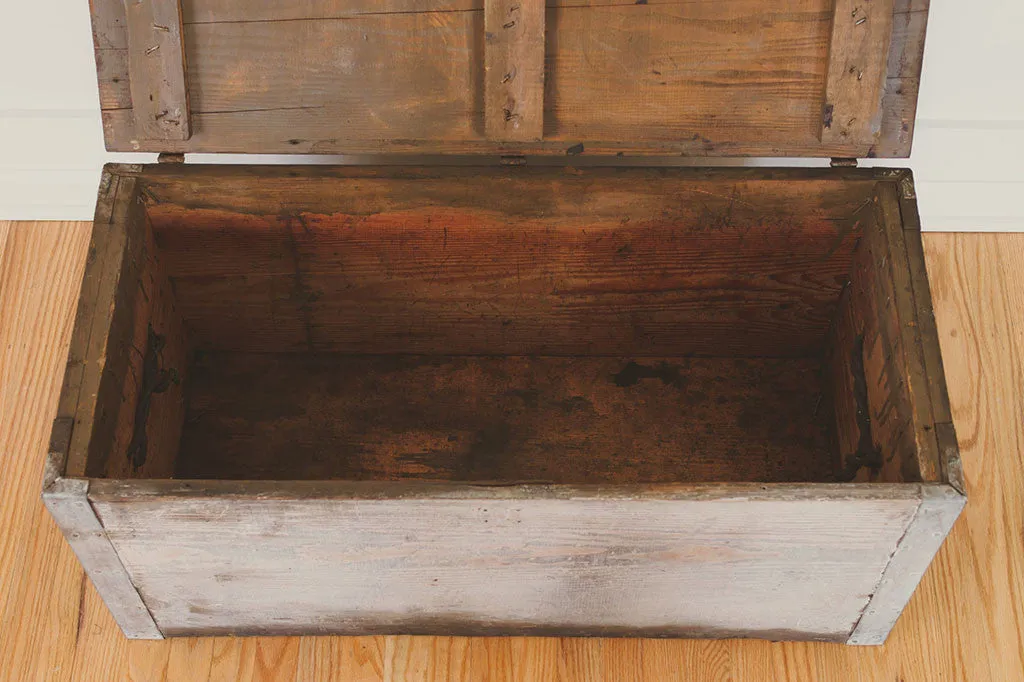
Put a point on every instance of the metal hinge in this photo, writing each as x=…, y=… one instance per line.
x=170, y=157
x=843, y=163
x=513, y=160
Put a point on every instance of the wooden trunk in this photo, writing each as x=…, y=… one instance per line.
x=506, y=398
x=492, y=400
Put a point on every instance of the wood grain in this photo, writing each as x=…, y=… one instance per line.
x=90, y=395
x=157, y=70
x=152, y=407
x=963, y=623
x=698, y=78
x=861, y=32
x=514, y=69
x=123, y=294
x=939, y=509
x=616, y=262
x=67, y=501
x=556, y=420
x=40, y=579
x=507, y=560
x=876, y=358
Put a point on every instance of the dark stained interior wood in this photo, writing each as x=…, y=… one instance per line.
x=701, y=78
x=526, y=324
x=152, y=406
x=874, y=364
x=493, y=261
x=538, y=419
x=861, y=31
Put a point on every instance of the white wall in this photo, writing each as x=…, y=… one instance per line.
x=968, y=149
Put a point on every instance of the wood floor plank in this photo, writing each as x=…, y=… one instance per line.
x=40, y=580
x=966, y=621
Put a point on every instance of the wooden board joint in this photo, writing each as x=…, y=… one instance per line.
x=68, y=503
x=940, y=507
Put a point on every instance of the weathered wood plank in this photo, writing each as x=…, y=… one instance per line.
x=687, y=86
x=793, y=562
x=857, y=71
x=927, y=331
x=152, y=408
x=157, y=69
x=112, y=72
x=68, y=503
x=884, y=421
x=940, y=508
x=124, y=292
x=83, y=399
x=556, y=420
x=514, y=69
x=899, y=103
x=904, y=312
x=635, y=262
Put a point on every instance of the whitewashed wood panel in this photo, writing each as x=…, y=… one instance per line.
x=779, y=562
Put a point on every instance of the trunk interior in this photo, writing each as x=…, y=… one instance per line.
x=494, y=325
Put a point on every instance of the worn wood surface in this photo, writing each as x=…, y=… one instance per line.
x=509, y=560
x=152, y=405
x=623, y=262
x=124, y=294
x=514, y=69
x=157, y=70
x=875, y=358
x=962, y=624
x=67, y=501
x=940, y=506
x=861, y=32
x=98, y=360
x=560, y=420
x=698, y=78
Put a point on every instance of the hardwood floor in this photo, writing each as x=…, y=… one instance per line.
x=966, y=621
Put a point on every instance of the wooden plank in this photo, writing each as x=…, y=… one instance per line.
x=152, y=390
x=514, y=69
x=124, y=293
x=112, y=73
x=927, y=330
x=940, y=508
x=857, y=71
x=604, y=262
x=108, y=363
x=80, y=399
x=881, y=393
x=68, y=503
x=700, y=79
x=917, y=381
x=157, y=68
x=899, y=103
x=793, y=562
x=558, y=420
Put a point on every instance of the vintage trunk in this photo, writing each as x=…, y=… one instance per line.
x=516, y=395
